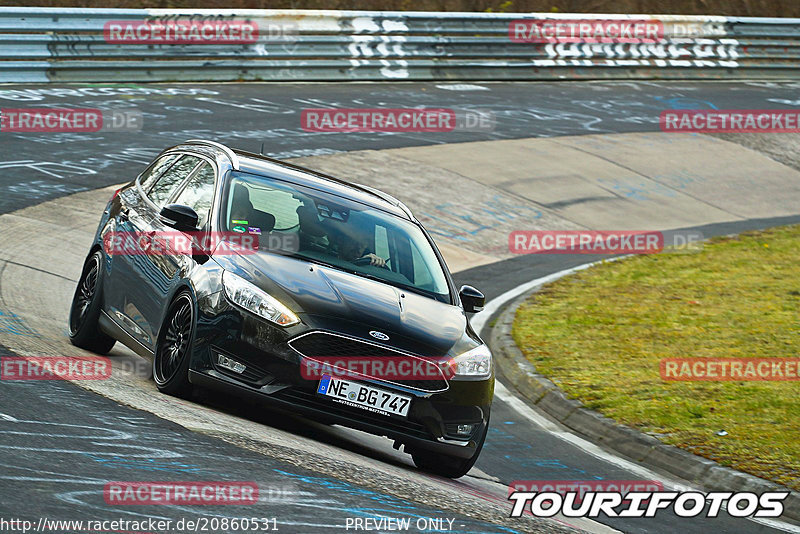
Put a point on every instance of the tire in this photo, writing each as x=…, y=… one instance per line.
x=84, y=331
x=173, y=350
x=447, y=466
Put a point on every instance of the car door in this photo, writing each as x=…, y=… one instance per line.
x=166, y=269
x=133, y=205
x=139, y=277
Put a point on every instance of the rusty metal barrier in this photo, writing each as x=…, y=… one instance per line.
x=113, y=45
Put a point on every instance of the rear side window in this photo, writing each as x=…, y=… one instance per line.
x=170, y=180
x=199, y=193
x=155, y=170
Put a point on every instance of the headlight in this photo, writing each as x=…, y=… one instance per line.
x=475, y=362
x=244, y=294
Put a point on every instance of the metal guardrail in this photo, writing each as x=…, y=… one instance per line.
x=69, y=45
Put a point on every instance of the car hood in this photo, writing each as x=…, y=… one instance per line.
x=336, y=298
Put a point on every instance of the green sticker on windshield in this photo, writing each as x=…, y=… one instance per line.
x=234, y=221
x=240, y=229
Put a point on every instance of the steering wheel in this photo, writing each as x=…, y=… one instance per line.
x=368, y=261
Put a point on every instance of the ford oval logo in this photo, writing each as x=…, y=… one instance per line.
x=379, y=335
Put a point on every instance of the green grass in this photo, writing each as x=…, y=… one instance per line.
x=601, y=333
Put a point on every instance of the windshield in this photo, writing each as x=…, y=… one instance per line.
x=334, y=231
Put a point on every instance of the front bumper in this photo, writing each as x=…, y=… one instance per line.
x=412, y=435
x=273, y=375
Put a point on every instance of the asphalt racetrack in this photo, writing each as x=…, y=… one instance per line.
x=61, y=442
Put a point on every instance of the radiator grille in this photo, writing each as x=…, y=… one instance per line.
x=327, y=345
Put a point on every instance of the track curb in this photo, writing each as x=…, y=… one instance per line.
x=538, y=391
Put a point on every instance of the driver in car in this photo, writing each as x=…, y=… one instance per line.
x=353, y=247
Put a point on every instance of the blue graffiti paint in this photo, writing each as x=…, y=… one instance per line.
x=338, y=485
x=498, y=439
x=485, y=216
x=11, y=323
x=541, y=465
x=682, y=102
x=641, y=191
x=678, y=180
x=399, y=506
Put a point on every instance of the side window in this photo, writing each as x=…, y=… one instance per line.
x=171, y=179
x=149, y=176
x=422, y=275
x=199, y=193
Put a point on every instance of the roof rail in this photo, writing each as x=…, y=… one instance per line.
x=228, y=152
x=387, y=197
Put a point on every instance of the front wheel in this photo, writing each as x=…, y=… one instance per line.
x=171, y=361
x=84, y=313
x=448, y=466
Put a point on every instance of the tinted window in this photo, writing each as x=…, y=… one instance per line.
x=422, y=271
x=382, y=242
x=260, y=208
x=281, y=204
x=337, y=232
x=151, y=174
x=199, y=193
x=171, y=179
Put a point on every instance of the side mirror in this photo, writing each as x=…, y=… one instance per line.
x=180, y=217
x=472, y=299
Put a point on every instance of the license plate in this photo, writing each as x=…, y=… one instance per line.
x=362, y=396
